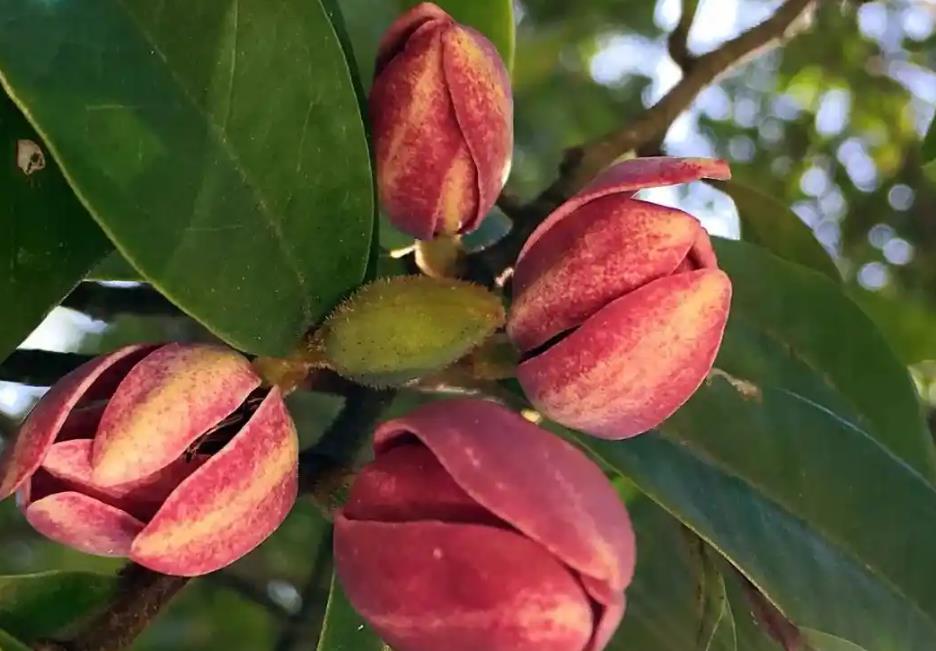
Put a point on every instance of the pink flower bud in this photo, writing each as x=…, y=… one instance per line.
x=169, y=455
x=475, y=529
x=442, y=118
x=619, y=306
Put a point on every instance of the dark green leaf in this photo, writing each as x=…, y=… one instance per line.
x=676, y=601
x=114, y=266
x=42, y=605
x=219, y=144
x=47, y=239
x=750, y=633
x=793, y=496
x=10, y=643
x=792, y=327
x=823, y=642
x=343, y=629
x=929, y=143
x=772, y=225
x=493, y=18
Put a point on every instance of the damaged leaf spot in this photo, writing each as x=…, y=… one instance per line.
x=29, y=157
x=747, y=389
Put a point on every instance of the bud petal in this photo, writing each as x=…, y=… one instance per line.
x=534, y=481
x=84, y=523
x=23, y=456
x=634, y=362
x=512, y=594
x=163, y=405
x=229, y=505
x=441, y=116
x=606, y=248
x=395, y=330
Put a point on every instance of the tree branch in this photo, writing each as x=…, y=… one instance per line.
x=679, y=38
x=40, y=368
x=583, y=162
x=143, y=594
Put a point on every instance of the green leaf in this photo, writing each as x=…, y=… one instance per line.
x=677, y=600
x=114, y=266
x=929, y=143
x=793, y=496
x=750, y=633
x=771, y=224
x=792, y=327
x=910, y=325
x=10, y=643
x=493, y=18
x=47, y=239
x=343, y=629
x=42, y=605
x=220, y=145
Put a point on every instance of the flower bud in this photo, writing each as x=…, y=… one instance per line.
x=475, y=529
x=396, y=330
x=619, y=306
x=442, y=119
x=169, y=455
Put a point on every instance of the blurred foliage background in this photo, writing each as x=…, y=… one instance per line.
x=830, y=125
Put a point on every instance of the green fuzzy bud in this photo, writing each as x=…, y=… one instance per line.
x=395, y=330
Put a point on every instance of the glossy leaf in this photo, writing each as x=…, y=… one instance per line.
x=493, y=18
x=343, y=629
x=929, y=143
x=909, y=324
x=677, y=599
x=220, y=145
x=42, y=605
x=771, y=224
x=114, y=266
x=10, y=643
x=47, y=239
x=793, y=328
x=792, y=495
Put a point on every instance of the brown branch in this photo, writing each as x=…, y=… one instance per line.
x=143, y=594
x=678, y=43
x=582, y=163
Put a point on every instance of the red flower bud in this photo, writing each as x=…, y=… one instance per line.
x=163, y=454
x=442, y=117
x=475, y=529
x=619, y=306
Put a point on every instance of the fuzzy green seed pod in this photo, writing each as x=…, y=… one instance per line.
x=396, y=330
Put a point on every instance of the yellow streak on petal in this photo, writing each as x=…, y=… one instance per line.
x=456, y=200
x=229, y=508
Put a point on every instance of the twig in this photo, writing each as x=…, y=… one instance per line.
x=105, y=302
x=585, y=161
x=41, y=368
x=678, y=42
x=142, y=596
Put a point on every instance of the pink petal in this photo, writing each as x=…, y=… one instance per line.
x=84, y=523
x=395, y=38
x=425, y=174
x=21, y=458
x=606, y=248
x=629, y=176
x=636, y=361
x=163, y=405
x=407, y=483
x=531, y=479
x=232, y=503
x=608, y=622
x=70, y=462
x=429, y=586
x=479, y=86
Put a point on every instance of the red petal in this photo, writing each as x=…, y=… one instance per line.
x=629, y=176
x=21, y=458
x=636, y=361
x=479, y=86
x=84, y=523
x=531, y=479
x=428, y=586
x=163, y=405
x=606, y=248
x=407, y=483
x=229, y=505
x=394, y=39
